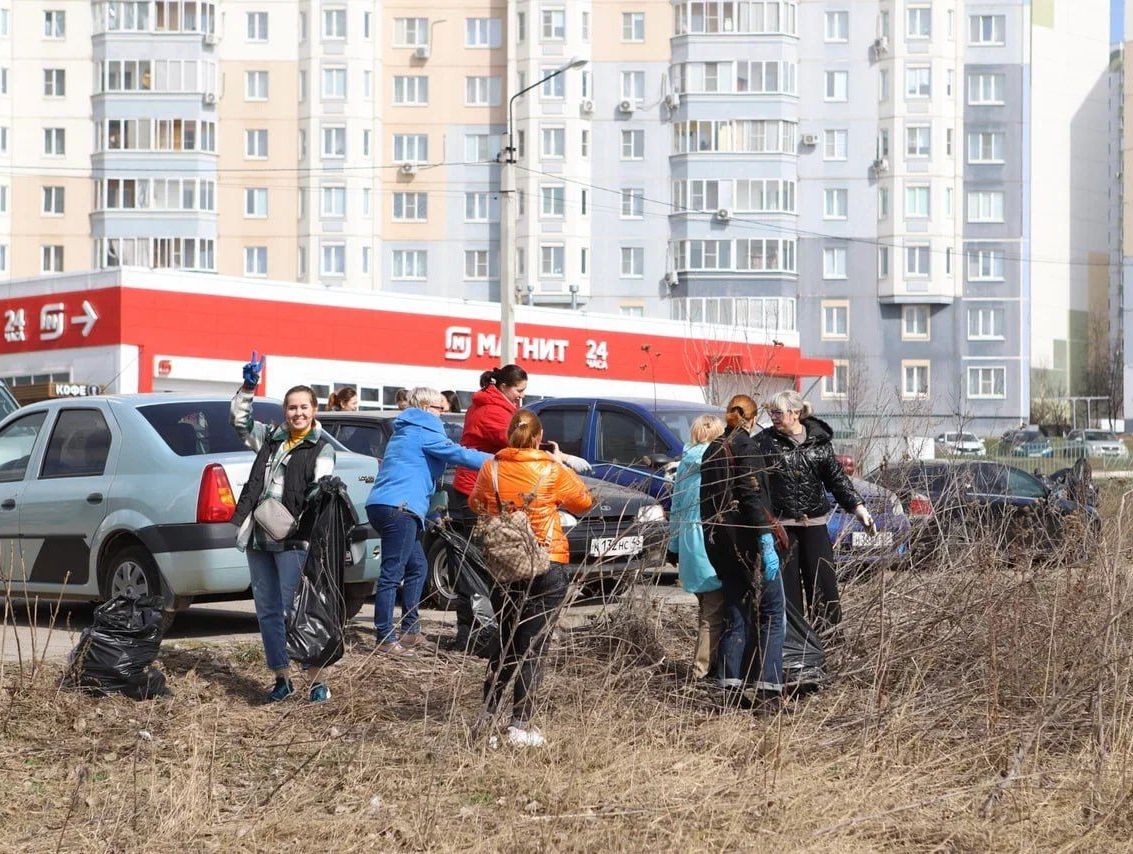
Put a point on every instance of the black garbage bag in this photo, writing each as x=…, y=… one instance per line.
x=804, y=659
x=316, y=624
x=115, y=653
x=477, y=631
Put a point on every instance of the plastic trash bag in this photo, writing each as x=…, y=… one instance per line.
x=804, y=659
x=114, y=653
x=477, y=631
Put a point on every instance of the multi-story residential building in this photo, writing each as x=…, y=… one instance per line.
x=919, y=187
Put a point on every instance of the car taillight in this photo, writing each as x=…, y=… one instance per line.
x=920, y=505
x=215, y=501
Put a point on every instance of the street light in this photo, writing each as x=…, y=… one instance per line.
x=507, y=217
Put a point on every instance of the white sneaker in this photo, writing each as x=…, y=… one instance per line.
x=529, y=737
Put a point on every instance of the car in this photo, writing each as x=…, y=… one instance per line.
x=1026, y=443
x=624, y=527
x=855, y=548
x=959, y=501
x=1093, y=443
x=133, y=494
x=959, y=445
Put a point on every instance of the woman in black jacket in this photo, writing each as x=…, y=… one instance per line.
x=802, y=468
x=735, y=513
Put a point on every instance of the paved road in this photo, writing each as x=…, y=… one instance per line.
x=50, y=631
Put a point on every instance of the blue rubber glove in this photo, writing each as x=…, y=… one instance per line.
x=770, y=557
x=252, y=370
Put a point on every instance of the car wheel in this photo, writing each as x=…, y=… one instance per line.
x=357, y=595
x=440, y=577
x=132, y=572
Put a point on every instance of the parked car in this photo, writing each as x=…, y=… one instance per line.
x=1093, y=443
x=950, y=502
x=959, y=445
x=623, y=527
x=1026, y=443
x=134, y=494
x=855, y=548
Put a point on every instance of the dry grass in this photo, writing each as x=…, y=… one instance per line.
x=981, y=705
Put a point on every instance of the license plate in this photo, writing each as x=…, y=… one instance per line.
x=866, y=540
x=616, y=546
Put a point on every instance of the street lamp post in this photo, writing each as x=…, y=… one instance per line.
x=508, y=224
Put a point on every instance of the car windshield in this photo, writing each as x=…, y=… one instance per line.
x=680, y=420
x=1030, y=436
x=966, y=437
x=1100, y=436
x=194, y=427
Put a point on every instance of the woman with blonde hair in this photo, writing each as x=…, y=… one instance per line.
x=686, y=543
x=525, y=477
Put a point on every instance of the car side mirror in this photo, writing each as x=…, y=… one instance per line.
x=659, y=461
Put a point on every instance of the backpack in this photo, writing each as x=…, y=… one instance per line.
x=511, y=550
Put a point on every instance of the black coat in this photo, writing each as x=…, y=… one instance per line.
x=800, y=475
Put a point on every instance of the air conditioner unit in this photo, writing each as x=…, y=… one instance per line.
x=809, y=139
x=408, y=169
x=671, y=278
x=626, y=106
x=586, y=106
x=209, y=98
x=881, y=45
x=723, y=214
x=881, y=164
x=673, y=100
x=421, y=52
x=211, y=39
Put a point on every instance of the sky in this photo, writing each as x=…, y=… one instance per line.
x=1117, y=17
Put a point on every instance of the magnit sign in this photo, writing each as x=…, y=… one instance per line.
x=463, y=343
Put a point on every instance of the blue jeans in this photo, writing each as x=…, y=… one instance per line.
x=275, y=575
x=751, y=648
x=403, y=565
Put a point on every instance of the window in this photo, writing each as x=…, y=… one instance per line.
x=551, y=258
x=584, y=143
x=333, y=259
x=625, y=439
x=3, y=198
x=633, y=262
x=54, y=24
x=255, y=85
x=477, y=207
x=554, y=25
x=51, y=259
x=914, y=379
x=366, y=30
x=410, y=264
x=79, y=446
x=3, y=257
x=256, y=26
x=633, y=86
x=986, y=324
x=585, y=26
x=633, y=26
x=3, y=81
x=987, y=382
x=301, y=262
x=334, y=83
x=302, y=26
x=917, y=202
x=987, y=29
x=334, y=201
x=837, y=26
x=475, y=263
x=919, y=20
x=583, y=204
x=411, y=90
x=521, y=26
x=835, y=203
x=4, y=22
x=334, y=23
x=985, y=89
x=3, y=139
x=834, y=386
x=552, y=200
x=883, y=85
x=482, y=32
x=410, y=32
x=255, y=260
x=255, y=202
x=54, y=82
x=985, y=206
x=256, y=143
x=410, y=147
x=701, y=195
x=915, y=323
x=366, y=250
x=631, y=310
x=18, y=439
x=483, y=91
x=410, y=207
x=53, y=201
x=834, y=262
x=985, y=146
x=584, y=261
x=882, y=202
x=918, y=81
x=633, y=203
x=837, y=85
x=835, y=319
x=883, y=262
x=367, y=195
x=948, y=142
x=476, y=147
x=633, y=145
x=918, y=141
x=835, y=144
x=54, y=142
x=334, y=141
x=554, y=142
x=985, y=265
x=918, y=261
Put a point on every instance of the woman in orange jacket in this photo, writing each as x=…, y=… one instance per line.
x=537, y=482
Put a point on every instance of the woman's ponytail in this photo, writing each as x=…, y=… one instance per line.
x=524, y=429
x=487, y=378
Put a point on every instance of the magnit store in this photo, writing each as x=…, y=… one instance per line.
x=135, y=330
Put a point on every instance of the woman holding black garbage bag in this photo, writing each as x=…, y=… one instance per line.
x=273, y=528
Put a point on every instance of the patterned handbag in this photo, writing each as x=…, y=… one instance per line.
x=511, y=550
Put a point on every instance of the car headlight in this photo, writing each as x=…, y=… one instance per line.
x=567, y=520
x=651, y=513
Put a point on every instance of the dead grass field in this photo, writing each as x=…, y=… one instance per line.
x=982, y=705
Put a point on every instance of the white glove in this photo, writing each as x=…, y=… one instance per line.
x=577, y=463
x=862, y=512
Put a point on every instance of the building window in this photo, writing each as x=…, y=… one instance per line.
x=255, y=85
x=985, y=265
x=521, y=26
x=411, y=91
x=410, y=264
x=410, y=32
x=255, y=202
x=51, y=259
x=917, y=203
x=883, y=85
x=633, y=203
x=633, y=145
x=837, y=85
x=986, y=324
x=987, y=29
x=835, y=144
x=837, y=26
x=554, y=143
x=482, y=32
x=477, y=148
x=985, y=206
x=834, y=262
x=633, y=26
x=633, y=86
x=987, y=382
x=835, y=203
x=631, y=310
x=301, y=262
x=3, y=257
x=4, y=22
x=476, y=263
x=835, y=319
x=553, y=200
x=366, y=251
x=883, y=262
x=256, y=143
x=333, y=259
x=255, y=260
x=585, y=26
x=477, y=207
x=633, y=262
x=54, y=82
x=985, y=146
x=256, y=26
x=334, y=23
x=914, y=379
x=919, y=20
x=334, y=202
x=985, y=89
x=918, y=141
x=410, y=207
x=551, y=258
x=54, y=142
x=3, y=81
x=483, y=91
x=334, y=83
x=584, y=143
x=334, y=141
x=3, y=198
x=54, y=24
x=53, y=204
x=915, y=323
x=918, y=261
x=410, y=147
x=834, y=386
x=918, y=81
x=554, y=25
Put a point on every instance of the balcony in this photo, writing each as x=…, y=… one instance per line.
x=764, y=314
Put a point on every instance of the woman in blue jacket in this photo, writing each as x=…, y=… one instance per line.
x=414, y=461
x=686, y=542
